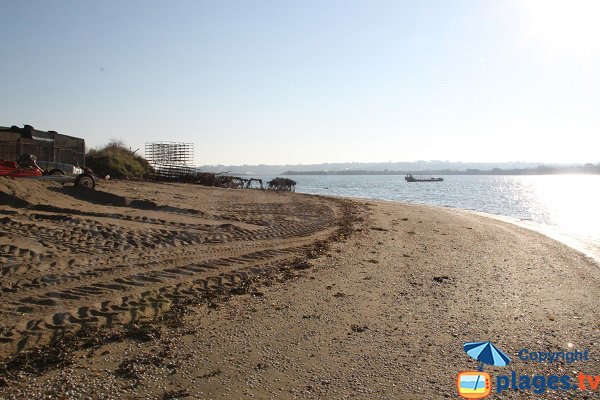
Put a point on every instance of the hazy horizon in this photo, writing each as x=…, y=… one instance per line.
x=412, y=161
x=310, y=82
x=373, y=168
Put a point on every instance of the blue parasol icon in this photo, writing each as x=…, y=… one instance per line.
x=486, y=353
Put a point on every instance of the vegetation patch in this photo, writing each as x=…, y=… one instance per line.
x=118, y=161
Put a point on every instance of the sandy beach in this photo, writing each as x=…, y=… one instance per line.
x=159, y=290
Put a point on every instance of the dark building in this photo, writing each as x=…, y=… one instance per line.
x=45, y=146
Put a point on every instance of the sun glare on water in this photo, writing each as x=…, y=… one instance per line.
x=569, y=199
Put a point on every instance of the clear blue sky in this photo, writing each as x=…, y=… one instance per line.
x=311, y=81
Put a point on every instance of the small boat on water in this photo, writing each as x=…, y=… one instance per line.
x=411, y=178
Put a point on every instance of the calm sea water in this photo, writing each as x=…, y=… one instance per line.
x=565, y=207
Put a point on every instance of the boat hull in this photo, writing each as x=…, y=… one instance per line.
x=413, y=179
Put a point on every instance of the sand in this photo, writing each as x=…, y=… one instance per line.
x=147, y=290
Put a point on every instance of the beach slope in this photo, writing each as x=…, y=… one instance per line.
x=382, y=312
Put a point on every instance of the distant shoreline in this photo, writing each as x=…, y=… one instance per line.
x=588, y=170
x=402, y=168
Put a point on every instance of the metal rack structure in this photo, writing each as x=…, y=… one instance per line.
x=170, y=159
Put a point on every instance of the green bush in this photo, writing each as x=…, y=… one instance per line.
x=118, y=161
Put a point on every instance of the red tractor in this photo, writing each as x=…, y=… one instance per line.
x=25, y=166
x=10, y=168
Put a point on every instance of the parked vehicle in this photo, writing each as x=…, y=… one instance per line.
x=27, y=167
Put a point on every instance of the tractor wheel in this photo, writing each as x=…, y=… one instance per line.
x=85, y=180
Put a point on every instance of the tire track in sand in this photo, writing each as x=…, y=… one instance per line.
x=64, y=271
